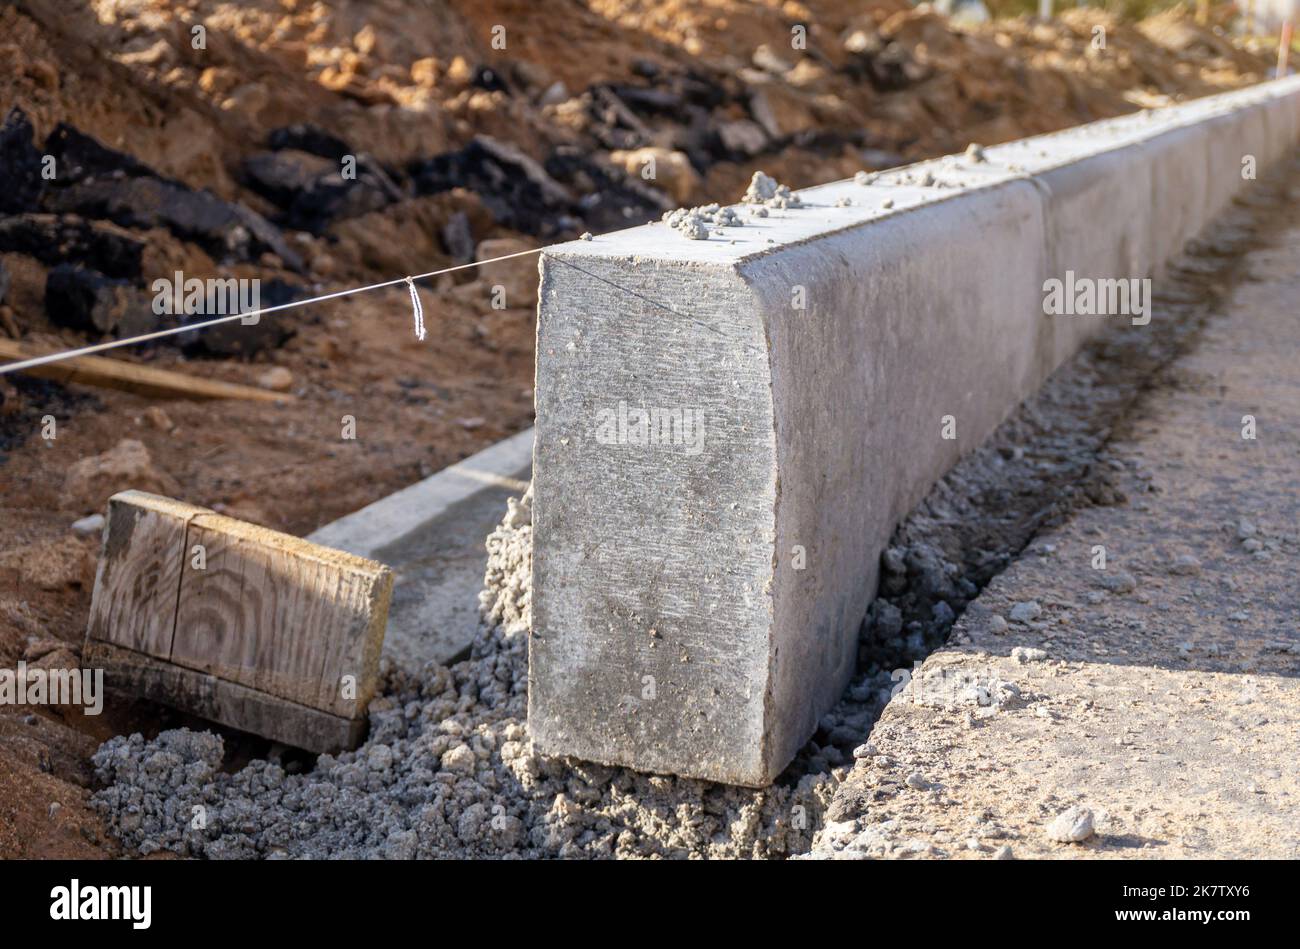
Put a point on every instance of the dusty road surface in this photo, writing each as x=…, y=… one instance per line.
x=1161, y=692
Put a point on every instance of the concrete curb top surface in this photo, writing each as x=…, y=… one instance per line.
x=955, y=175
x=391, y=519
x=727, y=433
x=431, y=535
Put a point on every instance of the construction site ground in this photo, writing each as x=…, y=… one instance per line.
x=407, y=88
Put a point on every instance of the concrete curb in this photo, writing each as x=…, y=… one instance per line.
x=432, y=536
x=696, y=606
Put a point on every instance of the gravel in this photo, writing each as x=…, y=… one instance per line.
x=447, y=772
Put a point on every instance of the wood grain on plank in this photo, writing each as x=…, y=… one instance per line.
x=268, y=613
x=137, y=581
x=212, y=626
x=279, y=614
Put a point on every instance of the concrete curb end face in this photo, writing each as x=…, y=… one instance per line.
x=625, y=537
x=717, y=468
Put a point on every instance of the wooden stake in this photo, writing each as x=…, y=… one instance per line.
x=131, y=377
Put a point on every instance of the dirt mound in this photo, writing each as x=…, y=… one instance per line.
x=469, y=121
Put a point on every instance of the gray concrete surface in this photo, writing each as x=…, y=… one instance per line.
x=1161, y=692
x=431, y=535
x=696, y=605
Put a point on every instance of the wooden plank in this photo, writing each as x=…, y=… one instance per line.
x=132, y=377
x=357, y=653
x=228, y=703
x=137, y=581
x=280, y=614
x=263, y=614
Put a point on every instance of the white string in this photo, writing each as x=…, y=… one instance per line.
x=195, y=327
x=418, y=307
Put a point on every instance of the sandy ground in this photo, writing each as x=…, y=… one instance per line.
x=1166, y=697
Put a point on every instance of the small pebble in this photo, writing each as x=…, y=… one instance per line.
x=277, y=379
x=1026, y=612
x=1116, y=581
x=159, y=419
x=1072, y=825
x=89, y=526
